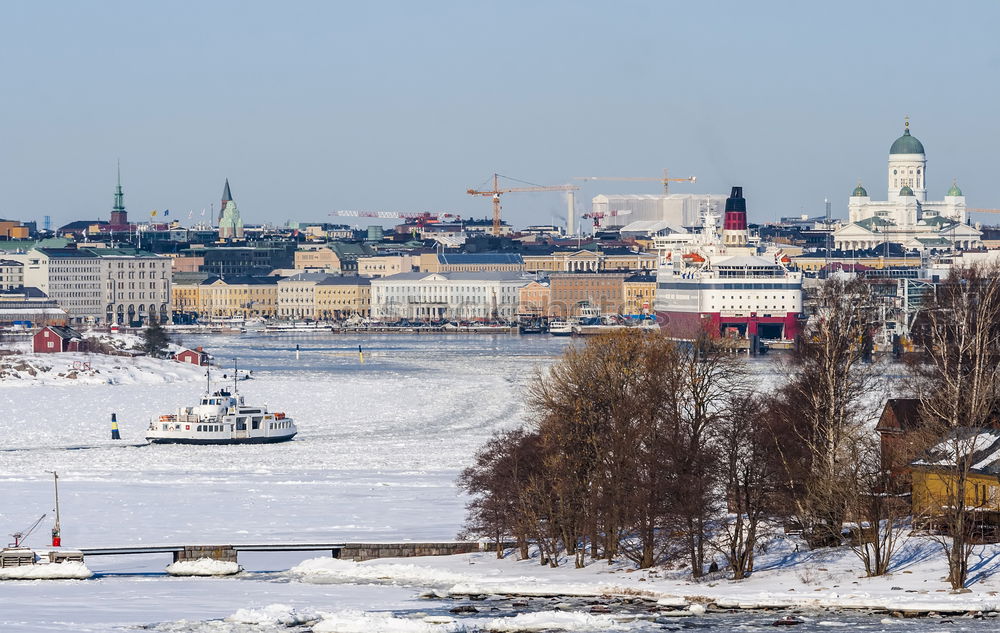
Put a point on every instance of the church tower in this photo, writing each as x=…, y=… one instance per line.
x=907, y=166
x=227, y=196
x=119, y=217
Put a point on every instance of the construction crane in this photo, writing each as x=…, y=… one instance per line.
x=666, y=179
x=422, y=217
x=982, y=210
x=496, y=192
x=598, y=215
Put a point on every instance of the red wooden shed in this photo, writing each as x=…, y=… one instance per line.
x=57, y=338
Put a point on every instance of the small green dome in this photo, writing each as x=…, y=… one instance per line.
x=859, y=191
x=954, y=191
x=905, y=191
x=906, y=144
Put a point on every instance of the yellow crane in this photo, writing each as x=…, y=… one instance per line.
x=496, y=192
x=982, y=210
x=666, y=179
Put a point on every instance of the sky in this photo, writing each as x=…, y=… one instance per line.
x=314, y=106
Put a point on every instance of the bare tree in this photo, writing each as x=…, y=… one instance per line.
x=825, y=405
x=711, y=374
x=749, y=477
x=958, y=334
x=878, y=511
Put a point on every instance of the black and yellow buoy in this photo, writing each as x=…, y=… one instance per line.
x=115, y=435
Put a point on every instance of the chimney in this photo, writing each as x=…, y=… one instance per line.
x=734, y=227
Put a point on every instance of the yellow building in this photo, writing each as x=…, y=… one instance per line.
x=13, y=230
x=211, y=296
x=385, y=265
x=590, y=261
x=640, y=290
x=934, y=481
x=817, y=263
x=323, y=258
x=341, y=297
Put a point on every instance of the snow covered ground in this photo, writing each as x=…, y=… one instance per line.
x=379, y=447
x=25, y=368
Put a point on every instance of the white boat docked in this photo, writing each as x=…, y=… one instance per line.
x=221, y=417
x=560, y=328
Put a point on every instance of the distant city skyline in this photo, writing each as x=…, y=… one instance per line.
x=311, y=107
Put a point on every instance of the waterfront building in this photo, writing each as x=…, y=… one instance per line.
x=72, y=277
x=449, y=295
x=533, y=299
x=297, y=295
x=342, y=297
x=906, y=216
x=569, y=292
x=31, y=305
x=135, y=285
x=639, y=291
x=238, y=296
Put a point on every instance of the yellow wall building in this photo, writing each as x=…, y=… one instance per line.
x=640, y=290
x=323, y=258
x=246, y=297
x=342, y=297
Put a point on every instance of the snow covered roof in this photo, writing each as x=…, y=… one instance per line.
x=983, y=445
x=648, y=226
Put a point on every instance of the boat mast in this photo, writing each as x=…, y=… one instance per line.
x=236, y=374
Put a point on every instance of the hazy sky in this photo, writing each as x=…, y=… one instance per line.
x=308, y=107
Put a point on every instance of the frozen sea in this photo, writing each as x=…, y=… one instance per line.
x=380, y=444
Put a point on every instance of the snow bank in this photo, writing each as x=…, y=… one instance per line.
x=203, y=567
x=322, y=570
x=273, y=614
x=47, y=571
x=77, y=368
x=563, y=621
x=368, y=622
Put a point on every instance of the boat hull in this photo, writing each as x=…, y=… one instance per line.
x=689, y=325
x=242, y=440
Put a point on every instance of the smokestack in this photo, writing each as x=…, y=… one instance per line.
x=734, y=227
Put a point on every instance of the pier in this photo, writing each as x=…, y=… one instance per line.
x=346, y=551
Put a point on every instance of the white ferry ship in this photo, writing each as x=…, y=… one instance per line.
x=221, y=417
x=725, y=287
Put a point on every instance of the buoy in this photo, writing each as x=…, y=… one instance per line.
x=361, y=355
x=115, y=435
x=296, y=351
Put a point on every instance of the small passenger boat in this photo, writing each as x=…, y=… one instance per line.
x=221, y=417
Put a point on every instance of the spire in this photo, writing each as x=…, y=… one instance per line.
x=227, y=196
x=118, y=215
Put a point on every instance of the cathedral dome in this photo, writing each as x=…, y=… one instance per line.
x=906, y=144
x=905, y=191
x=859, y=191
x=954, y=191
